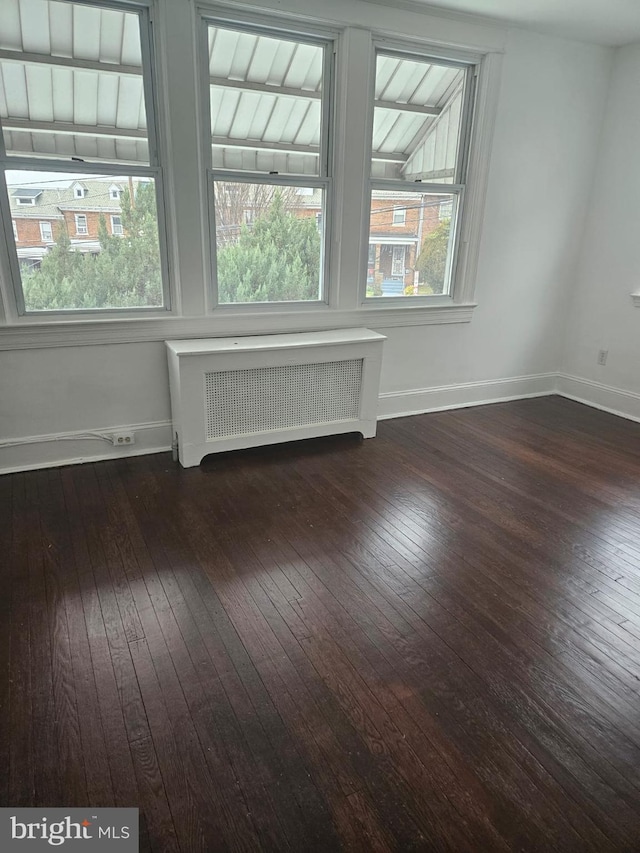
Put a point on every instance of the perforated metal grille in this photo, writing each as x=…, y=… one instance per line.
x=271, y=398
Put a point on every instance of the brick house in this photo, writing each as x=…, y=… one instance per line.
x=39, y=212
x=398, y=226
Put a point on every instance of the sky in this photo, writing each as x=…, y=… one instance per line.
x=19, y=178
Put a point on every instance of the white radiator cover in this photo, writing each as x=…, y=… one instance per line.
x=232, y=393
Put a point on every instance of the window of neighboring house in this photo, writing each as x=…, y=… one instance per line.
x=116, y=226
x=111, y=91
x=269, y=153
x=418, y=168
x=445, y=210
x=15, y=229
x=46, y=232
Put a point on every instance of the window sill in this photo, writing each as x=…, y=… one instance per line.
x=134, y=330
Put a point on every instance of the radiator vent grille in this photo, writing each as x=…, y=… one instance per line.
x=272, y=398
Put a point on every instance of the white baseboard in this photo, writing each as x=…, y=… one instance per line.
x=73, y=448
x=399, y=404
x=616, y=401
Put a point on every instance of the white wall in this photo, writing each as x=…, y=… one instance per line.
x=551, y=104
x=602, y=314
x=544, y=152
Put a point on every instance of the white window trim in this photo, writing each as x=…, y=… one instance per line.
x=471, y=62
x=14, y=226
x=402, y=219
x=48, y=239
x=113, y=226
x=275, y=26
x=85, y=226
x=190, y=314
x=21, y=203
x=12, y=309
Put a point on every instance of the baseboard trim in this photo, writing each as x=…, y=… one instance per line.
x=400, y=404
x=615, y=401
x=74, y=448
x=50, y=451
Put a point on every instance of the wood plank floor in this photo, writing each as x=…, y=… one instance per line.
x=428, y=641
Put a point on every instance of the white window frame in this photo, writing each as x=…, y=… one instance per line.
x=30, y=202
x=14, y=299
x=470, y=63
x=276, y=28
x=181, y=116
x=120, y=232
x=14, y=226
x=114, y=193
x=399, y=216
x=79, y=191
x=43, y=227
x=81, y=230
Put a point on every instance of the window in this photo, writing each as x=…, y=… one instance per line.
x=269, y=155
x=26, y=196
x=15, y=229
x=77, y=174
x=445, y=211
x=46, y=232
x=276, y=210
x=418, y=166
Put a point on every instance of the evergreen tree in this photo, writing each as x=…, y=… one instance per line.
x=124, y=274
x=278, y=260
x=432, y=261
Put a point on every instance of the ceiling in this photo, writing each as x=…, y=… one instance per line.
x=607, y=22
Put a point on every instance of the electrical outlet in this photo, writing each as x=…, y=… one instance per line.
x=602, y=356
x=123, y=439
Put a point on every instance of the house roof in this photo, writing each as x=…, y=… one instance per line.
x=26, y=192
x=51, y=201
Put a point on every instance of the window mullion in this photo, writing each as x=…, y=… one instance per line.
x=353, y=117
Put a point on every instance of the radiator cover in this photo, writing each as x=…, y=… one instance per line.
x=231, y=393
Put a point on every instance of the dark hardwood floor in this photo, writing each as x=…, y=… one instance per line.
x=427, y=641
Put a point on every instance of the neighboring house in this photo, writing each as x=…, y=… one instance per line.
x=38, y=213
x=398, y=226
